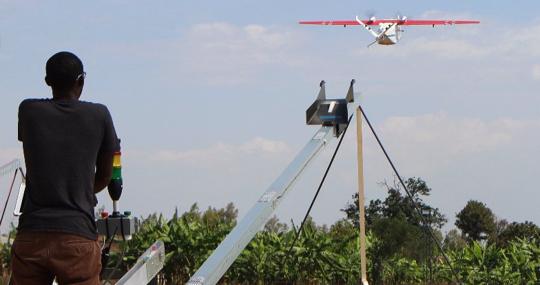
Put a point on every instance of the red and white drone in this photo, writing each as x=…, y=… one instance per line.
x=389, y=29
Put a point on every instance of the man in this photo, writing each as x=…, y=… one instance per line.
x=68, y=148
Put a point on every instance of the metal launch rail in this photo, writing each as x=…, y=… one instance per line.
x=147, y=266
x=332, y=115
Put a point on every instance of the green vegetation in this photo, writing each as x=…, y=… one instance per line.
x=476, y=221
x=399, y=251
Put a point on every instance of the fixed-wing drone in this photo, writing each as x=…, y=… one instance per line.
x=389, y=29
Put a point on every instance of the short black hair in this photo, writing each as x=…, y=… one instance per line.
x=62, y=69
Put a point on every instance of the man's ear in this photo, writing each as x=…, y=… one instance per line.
x=47, y=81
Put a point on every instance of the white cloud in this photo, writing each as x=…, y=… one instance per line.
x=536, y=72
x=229, y=37
x=8, y=154
x=264, y=145
x=486, y=40
x=210, y=176
x=450, y=48
x=434, y=140
x=217, y=53
x=7, y=167
x=222, y=152
x=459, y=47
x=520, y=42
x=228, y=54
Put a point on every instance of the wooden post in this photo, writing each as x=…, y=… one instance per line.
x=361, y=198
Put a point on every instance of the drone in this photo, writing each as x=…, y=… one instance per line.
x=388, y=31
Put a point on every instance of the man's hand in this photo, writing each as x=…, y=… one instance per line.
x=103, y=171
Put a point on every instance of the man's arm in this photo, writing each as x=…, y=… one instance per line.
x=104, y=162
x=103, y=171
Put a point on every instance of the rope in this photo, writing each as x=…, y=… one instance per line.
x=418, y=211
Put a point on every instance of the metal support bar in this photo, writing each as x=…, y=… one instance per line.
x=361, y=197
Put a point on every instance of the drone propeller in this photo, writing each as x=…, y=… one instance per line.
x=370, y=14
x=367, y=27
x=401, y=17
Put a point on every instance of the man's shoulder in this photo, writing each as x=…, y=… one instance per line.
x=33, y=101
x=86, y=107
x=31, y=105
x=93, y=105
x=98, y=109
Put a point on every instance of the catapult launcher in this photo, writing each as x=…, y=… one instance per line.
x=332, y=115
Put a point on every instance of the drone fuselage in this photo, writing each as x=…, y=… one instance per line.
x=388, y=34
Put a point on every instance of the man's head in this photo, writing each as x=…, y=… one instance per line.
x=65, y=74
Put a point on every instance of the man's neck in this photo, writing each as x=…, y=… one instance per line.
x=65, y=95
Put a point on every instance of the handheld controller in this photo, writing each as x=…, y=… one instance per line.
x=117, y=224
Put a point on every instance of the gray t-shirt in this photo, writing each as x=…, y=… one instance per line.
x=61, y=141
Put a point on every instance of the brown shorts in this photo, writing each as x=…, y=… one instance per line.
x=39, y=257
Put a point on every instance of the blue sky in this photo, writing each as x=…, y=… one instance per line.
x=209, y=97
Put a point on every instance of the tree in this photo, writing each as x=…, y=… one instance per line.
x=454, y=241
x=214, y=217
x=398, y=206
x=500, y=227
x=527, y=231
x=273, y=225
x=476, y=221
x=396, y=225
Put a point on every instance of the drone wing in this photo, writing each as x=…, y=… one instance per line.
x=435, y=22
x=331, y=23
x=400, y=22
